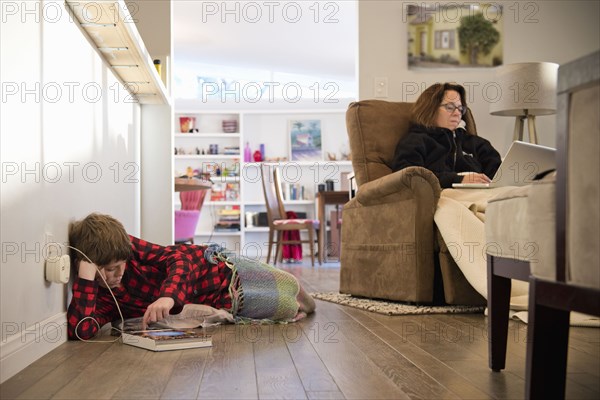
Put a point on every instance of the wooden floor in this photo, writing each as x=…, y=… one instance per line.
x=337, y=353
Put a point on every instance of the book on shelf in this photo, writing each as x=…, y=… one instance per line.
x=293, y=191
x=229, y=191
x=231, y=150
x=229, y=220
x=227, y=227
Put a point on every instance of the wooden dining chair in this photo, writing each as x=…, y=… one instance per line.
x=277, y=217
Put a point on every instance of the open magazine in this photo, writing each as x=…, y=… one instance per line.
x=191, y=316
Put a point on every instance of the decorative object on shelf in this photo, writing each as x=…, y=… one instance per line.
x=263, y=154
x=257, y=156
x=329, y=184
x=331, y=156
x=213, y=149
x=247, y=153
x=528, y=89
x=250, y=219
x=186, y=124
x=229, y=125
x=305, y=140
x=158, y=67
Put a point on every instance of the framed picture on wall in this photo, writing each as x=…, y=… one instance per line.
x=305, y=140
x=454, y=35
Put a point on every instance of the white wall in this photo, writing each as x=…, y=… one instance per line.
x=64, y=154
x=553, y=31
x=153, y=22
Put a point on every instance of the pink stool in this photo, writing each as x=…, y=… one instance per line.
x=185, y=225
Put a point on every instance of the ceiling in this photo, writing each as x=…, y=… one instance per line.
x=299, y=37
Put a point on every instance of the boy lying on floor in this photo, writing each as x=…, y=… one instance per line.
x=153, y=281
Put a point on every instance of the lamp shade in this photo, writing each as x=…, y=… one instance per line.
x=526, y=89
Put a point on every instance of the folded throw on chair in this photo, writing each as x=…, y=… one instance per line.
x=292, y=251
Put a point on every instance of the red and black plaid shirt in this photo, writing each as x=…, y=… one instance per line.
x=180, y=272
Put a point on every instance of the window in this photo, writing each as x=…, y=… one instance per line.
x=444, y=39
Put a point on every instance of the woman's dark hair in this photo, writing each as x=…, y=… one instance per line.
x=425, y=109
x=101, y=237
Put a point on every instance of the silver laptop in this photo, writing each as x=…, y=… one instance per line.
x=522, y=163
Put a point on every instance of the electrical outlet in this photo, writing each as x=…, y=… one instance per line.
x=381, y=88
x=50, y=247
x=58, y=269
x=57, y=265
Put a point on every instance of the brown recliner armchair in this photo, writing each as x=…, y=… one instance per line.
x=391, y=248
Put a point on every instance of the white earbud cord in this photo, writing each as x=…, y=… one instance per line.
x=92, y=318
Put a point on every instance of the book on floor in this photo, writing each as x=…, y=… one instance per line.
x=167, y=339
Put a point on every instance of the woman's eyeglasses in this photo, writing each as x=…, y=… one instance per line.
x=450, y=107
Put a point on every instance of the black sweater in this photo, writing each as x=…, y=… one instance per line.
x=446, y=153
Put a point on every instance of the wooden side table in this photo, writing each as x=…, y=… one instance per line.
x=187, y=184
x=324, y=198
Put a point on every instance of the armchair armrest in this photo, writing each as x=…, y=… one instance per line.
x=400, y=185
x=388, y=232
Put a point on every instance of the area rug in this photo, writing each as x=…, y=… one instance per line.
x=392, y=308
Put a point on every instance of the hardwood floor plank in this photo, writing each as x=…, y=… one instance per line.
x=433, y=337
x=504, y=385
x=329, y=312
x=184, y=382
x=439, y=340
x=353, y=371
x=65, y=371
x=102, y=378
x=407, y=376
x=429, y=364
x=313, y=373
x=157, y=368
x=473, y=336
x=325, y=395
x=33, y=373
x=276, y=374
x=589, y=380
x=230, y=372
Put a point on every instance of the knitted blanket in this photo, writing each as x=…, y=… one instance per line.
x=258, y=291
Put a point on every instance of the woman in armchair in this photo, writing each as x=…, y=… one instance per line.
x=438, y=141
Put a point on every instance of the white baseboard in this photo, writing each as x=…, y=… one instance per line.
x=29, y=344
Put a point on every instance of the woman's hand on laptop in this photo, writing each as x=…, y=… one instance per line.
x=474, y=177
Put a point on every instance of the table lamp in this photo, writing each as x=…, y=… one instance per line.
x=528, y=90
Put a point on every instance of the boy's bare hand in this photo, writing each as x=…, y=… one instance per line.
x=157, y=310
x=86, y=270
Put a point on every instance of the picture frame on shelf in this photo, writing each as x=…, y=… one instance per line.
x=305, y=140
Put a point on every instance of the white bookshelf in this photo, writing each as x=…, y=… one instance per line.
x=271, y=128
